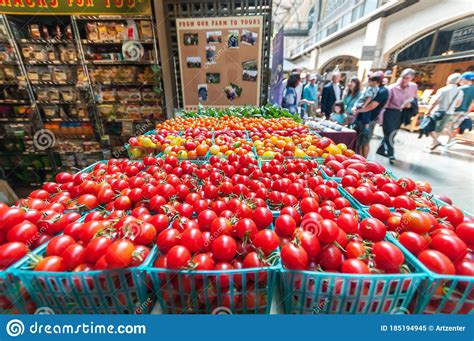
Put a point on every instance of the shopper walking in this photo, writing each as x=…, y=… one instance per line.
x=290, y=97
x=446, y=100
x=332, y=92
x=366, y=117
x=310, y=97
x=351, y=96
x=402, y=94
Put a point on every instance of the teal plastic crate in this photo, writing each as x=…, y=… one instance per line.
x=237, y=291
x=311, y=292
x=14, y=299
x=121, y=291
x=441, y=294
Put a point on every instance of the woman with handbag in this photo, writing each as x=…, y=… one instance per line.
x=447, y=99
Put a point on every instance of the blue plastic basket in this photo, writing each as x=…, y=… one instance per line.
x=121, y=291
x=249, y=291
x=441, y=294
x=14, y=299
x=311, y=292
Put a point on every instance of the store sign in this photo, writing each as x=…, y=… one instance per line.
x=75, y=7
x=220, y=61
x=462, y=35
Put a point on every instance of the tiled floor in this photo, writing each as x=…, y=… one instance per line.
x=450, y=173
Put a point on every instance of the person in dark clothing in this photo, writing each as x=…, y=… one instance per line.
x=367, y=116
x=332, y=93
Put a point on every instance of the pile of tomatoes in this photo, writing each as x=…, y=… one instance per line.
x=442, y=239
x=229, y=123
x=222, y=227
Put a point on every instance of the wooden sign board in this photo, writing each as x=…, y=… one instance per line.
x=220, y=61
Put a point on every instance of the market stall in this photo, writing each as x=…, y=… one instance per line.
x=334, y=131
x=219, y=205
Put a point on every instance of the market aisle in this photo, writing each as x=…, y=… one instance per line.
x=450, y=173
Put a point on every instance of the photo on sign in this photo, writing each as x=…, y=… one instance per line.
x=233, y=39
x=249, y=75
x=213, y=77
x=250, y=65
x=210, y=54
x=232, y=91
x=191, y=39
x=193, y=62
x=248, y=37
x=214, y=37
x=202, y=92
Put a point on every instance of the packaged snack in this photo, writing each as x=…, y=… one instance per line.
x=146, y=30
x=45, y=75
x=40, y=54
x=106, y=95
x=148, y=95
x=33, y=75
x=120, y=28
x=134, y=95
x=53, y=95
x=58, y=34
x=45, y=33
x=42, y=95
x=27, y=52
x=123, y=95
x=148, y=111
x=9, y=73
x=111, y=32
x=105, y=110
x=120, y=110
x=50, y=111
x=35, y=32
x=51, y=53
x=102, y=31
x=68, y=94
x=133, y=112
x=92, y=31
x=68, y=32
x=60, y=75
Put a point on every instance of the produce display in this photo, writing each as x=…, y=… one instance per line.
x=222, y=211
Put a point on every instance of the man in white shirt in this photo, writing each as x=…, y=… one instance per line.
x=447, y=99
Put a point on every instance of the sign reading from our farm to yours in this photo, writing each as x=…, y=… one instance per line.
x=75, y=7
x=220, y=61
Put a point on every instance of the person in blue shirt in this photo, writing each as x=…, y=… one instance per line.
x=290, y=97
x=338, y=114
x=310, y=96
